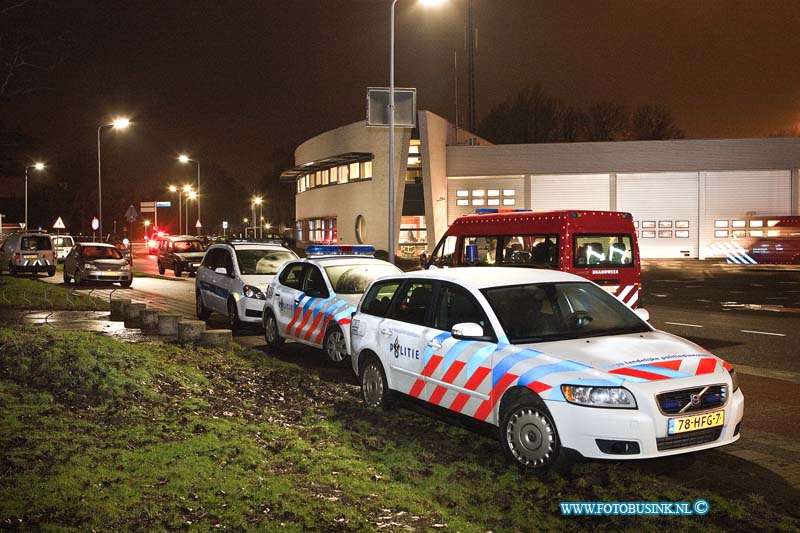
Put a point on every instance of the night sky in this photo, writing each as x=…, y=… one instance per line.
x=229, y=81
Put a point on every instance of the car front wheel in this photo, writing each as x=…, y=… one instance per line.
x=67, y=278
x=78, y=280
x=202, y=311
x=233, y=316
x=529, y=437
x=161, y=268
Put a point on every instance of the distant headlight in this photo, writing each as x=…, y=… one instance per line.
x=125, y=267
x=617, y=397
x=89, y=266
x=253, y=292
x=734, y=380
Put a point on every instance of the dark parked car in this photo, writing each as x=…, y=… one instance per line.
x=180, y=254
x=97, y=262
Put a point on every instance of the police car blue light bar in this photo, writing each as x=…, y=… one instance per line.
x=337, y=249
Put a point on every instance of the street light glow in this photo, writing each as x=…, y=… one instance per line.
x=146, y=223
x=192, y=195
x=121, y=123
x=428, y=3
x=173, y=188
x=183, y=158
x=39, y=166
x=187, y=188
x=257, y=200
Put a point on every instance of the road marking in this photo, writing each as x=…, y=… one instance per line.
x=682, y=324
x=763, y=333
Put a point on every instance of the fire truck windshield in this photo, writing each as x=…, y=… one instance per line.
x=603, y=251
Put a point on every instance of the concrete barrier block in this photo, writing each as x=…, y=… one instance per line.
x=168, y=324
x=149, y=319
x=217, y=338
x=117, y=308
x=133, y=312
x=190, y=330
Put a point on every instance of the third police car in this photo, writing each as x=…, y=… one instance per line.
x=551, y=359
x=310, y=300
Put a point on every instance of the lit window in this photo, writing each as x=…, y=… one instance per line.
x=343, y=173
x=681, y=223
x=771, y=223
x=509, y=201
x=323, y=180
x=665, y=234
x=635, y=223
x=738, y=223
x=462, y=193
x=477, y=201
x=367, y=169
x=739, y=233
x=413, y=149
x=478, y=192
x=648, y=224
x=756, y=233
x=334, y=176
x=682, y=233
x=414, y=161
x=494, y=201
x=462, y=202
x=664, y=223
x=720, y=233
x=774, y=233
x=756, y=223
x=509, y=192
x=355, y=171
x=721, y=224
x=318, y=178
x=493, y=192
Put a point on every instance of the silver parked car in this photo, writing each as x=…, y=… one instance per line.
x=97, y=262
x=28, y=252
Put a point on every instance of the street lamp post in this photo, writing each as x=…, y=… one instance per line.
x=186, y=159
x=120, y=124
x=174, y=189
x=392, y=235
x=260, y=202
x=190, y=195
x=36, y=166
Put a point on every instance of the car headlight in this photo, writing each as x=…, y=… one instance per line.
x=89, y=266
x=125, y=267
x=734, y=380
x=253, y=292
x=616, y=397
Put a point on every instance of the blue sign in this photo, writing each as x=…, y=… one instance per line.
x=163, y=204
x=224, y=224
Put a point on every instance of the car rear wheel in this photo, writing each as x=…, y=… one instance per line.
x=271, y=333
x=178, y=271
x=233, y=316
x=529, y=437
x=12, y=271
x=51, y=272
x=161, y=268
x=202, y=311
x=67, y=278
x=78, y=280
x=374, y=388
x=335, y=345
x=126, y=284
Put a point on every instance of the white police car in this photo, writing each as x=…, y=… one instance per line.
x=551, y=359
x=233, y=276
x=310, y=301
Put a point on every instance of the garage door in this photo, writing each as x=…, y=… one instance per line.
x=570, y=191
x=664, y=209
x=731, y=196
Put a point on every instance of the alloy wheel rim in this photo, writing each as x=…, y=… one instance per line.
x=270, y=329
x=337, y=347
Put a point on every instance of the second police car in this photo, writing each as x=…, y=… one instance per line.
x=551, y=359
x=232, y=279
x=310, y=300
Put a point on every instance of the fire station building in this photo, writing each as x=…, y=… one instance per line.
x=687, y=197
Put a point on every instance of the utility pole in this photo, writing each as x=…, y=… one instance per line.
x=472, y=46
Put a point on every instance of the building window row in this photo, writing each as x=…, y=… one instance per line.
x=486, y=197
x=318, y=230
x=331, y=176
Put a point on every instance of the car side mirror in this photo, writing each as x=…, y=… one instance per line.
x=468, y=331
x=642, y=313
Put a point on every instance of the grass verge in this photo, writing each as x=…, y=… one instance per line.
x=98, y=434
x=29, y=293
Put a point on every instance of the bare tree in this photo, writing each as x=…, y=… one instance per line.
x=533, y=116
x=608, y=122
x=653, y=122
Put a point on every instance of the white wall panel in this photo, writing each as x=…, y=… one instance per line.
x=666, y=197
x=570, y=191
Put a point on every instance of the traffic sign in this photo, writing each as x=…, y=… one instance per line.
x=22, y=225
x=198, y=225
x=131, y=215
x=224, y=224
x=95, y=223
x=147, y=207
x=59, y=224
x=163, y=204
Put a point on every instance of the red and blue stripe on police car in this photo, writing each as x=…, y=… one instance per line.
x=313, y=315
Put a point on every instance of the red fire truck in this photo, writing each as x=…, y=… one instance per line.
x=598, y=245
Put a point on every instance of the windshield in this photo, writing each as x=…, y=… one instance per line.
x=33, y=244
x=63, y=242
x=354, y=279
x=188, y=246
x=603, y=250
x=100, y=252
x=558, y=311
x=262, y=261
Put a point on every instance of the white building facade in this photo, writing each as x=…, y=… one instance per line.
x=687, y=197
